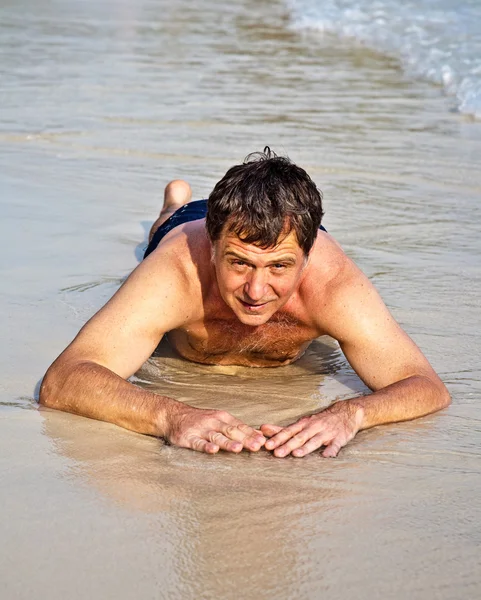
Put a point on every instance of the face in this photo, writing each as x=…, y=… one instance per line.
x=256, y=282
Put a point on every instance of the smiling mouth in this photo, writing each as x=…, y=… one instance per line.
x=252, y=307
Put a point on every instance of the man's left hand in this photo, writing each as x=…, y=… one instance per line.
x=333, y=428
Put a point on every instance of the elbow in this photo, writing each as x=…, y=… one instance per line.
x=53, y=385
x=442, y=395
x=48, y=395
x=61, y=378
x=438, y=394
x=445, y=396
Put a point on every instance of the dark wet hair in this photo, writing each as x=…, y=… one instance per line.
x=264, y=198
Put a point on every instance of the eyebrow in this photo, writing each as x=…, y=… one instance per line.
x=285, y=259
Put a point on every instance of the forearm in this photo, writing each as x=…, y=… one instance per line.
x=88, y=389
x=401, y=401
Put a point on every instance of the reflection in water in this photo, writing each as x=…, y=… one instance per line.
x=220, y=515
x=102, y=104
x=282, y=523
x=223, y=512
x=308, y=520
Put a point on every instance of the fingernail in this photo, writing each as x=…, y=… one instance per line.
x=270, y=445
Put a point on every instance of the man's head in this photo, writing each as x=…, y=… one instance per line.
x=264, y=199
x=262, y=219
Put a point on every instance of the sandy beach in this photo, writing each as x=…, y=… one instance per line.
x=102, y=105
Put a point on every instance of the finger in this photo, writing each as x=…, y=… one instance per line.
x=243, y=433
x=200, y=445
x=224, y=442
x=313, y=444
x=247, y=436
x=285, y=434
x=333, y=448
x=235, y=429
x=254, y=439
x=297, y=441
x=270, y=430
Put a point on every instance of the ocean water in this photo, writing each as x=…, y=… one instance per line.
x=439, y=40
x=101, y=104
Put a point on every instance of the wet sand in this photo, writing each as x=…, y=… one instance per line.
x=102, y=104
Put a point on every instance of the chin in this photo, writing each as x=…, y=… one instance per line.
x=252, y=320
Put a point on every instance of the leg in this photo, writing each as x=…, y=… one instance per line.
x=176, y=194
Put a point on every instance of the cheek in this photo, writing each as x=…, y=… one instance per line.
x=229, y=280
x=284, y=285
x=284, y=291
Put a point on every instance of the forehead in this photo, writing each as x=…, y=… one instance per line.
x=287, y=245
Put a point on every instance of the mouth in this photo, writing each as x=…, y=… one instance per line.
x=251, y=307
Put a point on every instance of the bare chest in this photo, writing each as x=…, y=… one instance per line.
x=229, y=342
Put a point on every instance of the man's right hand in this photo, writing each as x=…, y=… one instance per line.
x=206, y=430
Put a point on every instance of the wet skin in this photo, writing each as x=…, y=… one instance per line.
x=236, y=303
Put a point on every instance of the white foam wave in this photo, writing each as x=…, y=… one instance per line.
x=436, y=39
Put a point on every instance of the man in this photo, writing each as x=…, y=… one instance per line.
x=252, y=281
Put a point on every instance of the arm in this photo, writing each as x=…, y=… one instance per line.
x=88, y=378
x=403, y=382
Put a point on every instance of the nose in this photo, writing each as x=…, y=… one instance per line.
x=256, y=286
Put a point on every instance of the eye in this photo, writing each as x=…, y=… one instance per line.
x=278, y=266
x=238, y=264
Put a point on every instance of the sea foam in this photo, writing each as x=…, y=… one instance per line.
x=439, y=40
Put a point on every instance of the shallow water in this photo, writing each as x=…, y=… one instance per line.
x=102, y=104
x=439, y=40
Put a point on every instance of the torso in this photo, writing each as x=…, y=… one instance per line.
x=223, y=341
x=214, y=335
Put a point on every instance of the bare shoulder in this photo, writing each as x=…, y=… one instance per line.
x=180, y=253
x=340, y=299
x=161, y=294
x=350, y=309
x=330, y=274
x=179, y=268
